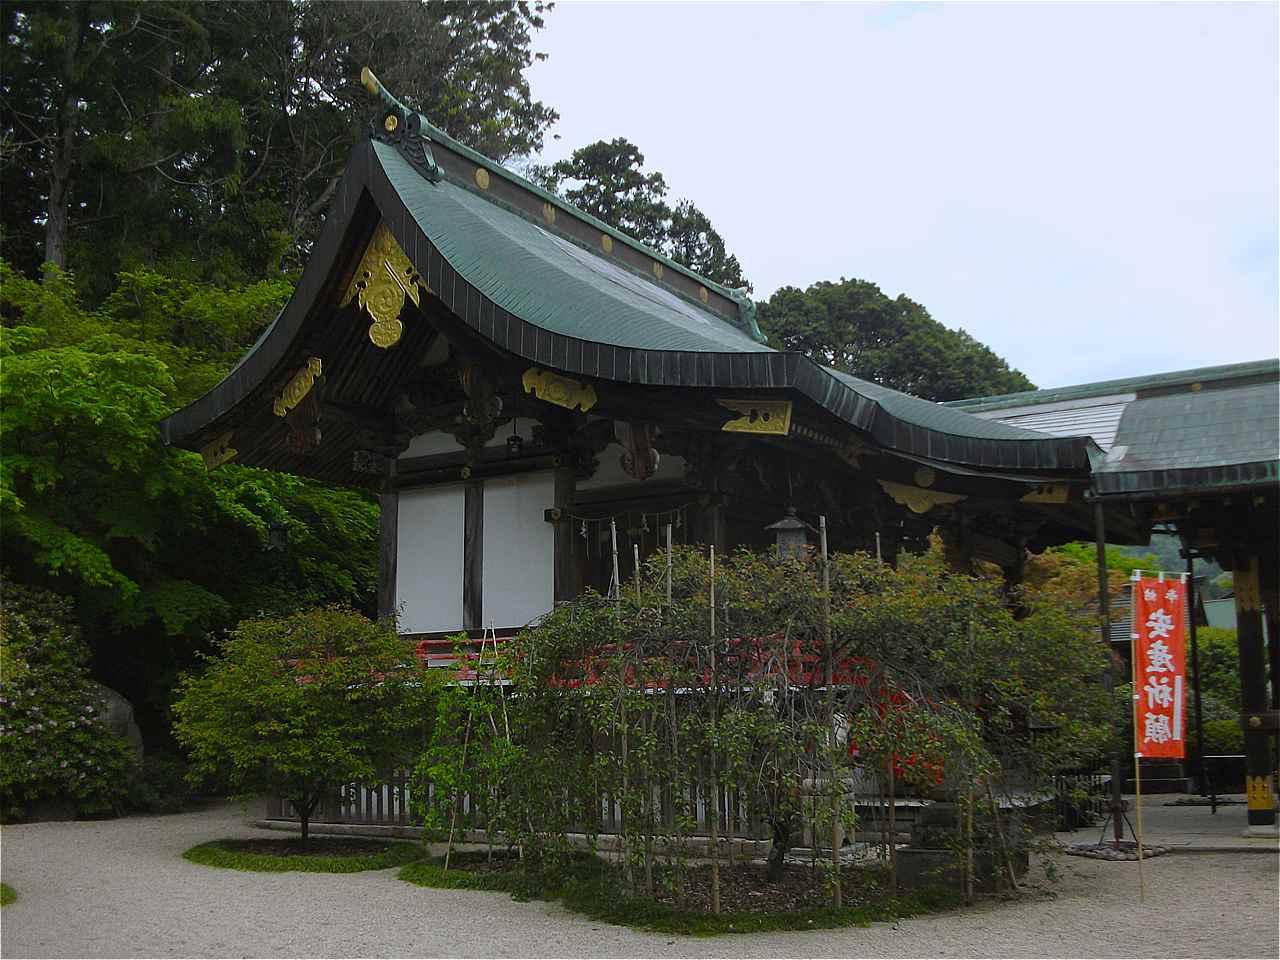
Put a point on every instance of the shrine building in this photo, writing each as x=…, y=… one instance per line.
x=511, y=375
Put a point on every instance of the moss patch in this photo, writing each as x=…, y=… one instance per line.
x=223, y=853
x=7, y=895
x=592, y=887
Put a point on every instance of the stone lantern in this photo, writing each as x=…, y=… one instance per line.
x=791, y=534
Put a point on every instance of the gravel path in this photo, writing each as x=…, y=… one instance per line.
x=120, y=889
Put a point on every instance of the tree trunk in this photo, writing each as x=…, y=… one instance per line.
x=778, y=850
x=58, y=224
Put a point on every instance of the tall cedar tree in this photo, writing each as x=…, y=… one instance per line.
x=607, y=179
x=206, y=139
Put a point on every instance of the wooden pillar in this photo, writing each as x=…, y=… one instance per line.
x=1253, y=693
x=711, y=524
x=388, y=547
x=473, y=556
x=957, y=545
x=1270, y=595
x=567, y=577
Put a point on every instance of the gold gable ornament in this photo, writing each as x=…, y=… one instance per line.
x=299, y=385
x=561, y=391
x=916, y=499
x=383, y=280
x=218, y=452
x=771, y=417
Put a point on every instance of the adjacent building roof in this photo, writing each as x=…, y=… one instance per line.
x=1212, y=428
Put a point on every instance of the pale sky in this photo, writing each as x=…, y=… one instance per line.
x=1091, y=189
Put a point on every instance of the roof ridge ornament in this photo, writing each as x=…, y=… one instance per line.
x=746, y=313
x=402, y=128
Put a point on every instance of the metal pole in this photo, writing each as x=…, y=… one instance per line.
x=1109, y=675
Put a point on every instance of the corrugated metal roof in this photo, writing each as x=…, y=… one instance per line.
x=1097, y=417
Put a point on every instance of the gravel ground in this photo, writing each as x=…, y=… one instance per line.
x=120, y=889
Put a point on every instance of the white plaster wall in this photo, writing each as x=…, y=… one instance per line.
x=519, y=545
x=611, y=474
x=429, y=561
x=427, y=444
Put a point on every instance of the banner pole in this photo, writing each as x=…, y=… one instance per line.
x=1137, y=754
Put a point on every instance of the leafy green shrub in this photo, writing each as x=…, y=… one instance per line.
x=7, y=895
x=159, y=785
x=54, y=744
x=299, y=706
x=1223, y=737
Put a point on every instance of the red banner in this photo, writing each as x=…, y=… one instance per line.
x=1159, y=667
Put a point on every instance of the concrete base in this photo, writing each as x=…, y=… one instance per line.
x=1256, y=831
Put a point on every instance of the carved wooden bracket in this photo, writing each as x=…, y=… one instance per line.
x=218, y=452
x=639, y=457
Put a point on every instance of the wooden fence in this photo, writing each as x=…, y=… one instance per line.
x=389, y=804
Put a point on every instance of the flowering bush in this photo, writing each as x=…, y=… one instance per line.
x=54, y=744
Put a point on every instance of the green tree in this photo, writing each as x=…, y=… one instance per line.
x=853, y=326
x=206, y=140
x=694, y=242
x=607, y=180
x=155, y=551
x=303, y=705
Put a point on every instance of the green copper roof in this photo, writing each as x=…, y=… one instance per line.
x=933, y=415
x=550, y=281
x=1228, y=436
x=504, y=267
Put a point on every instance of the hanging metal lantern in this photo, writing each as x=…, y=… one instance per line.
x=791, y=534
x=515, y=442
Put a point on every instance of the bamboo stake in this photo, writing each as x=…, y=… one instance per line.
x=1137, y=754
x=457, y=801
x=967, y=886
x=893, y=829
x=714, y=810
x=1000, y=838
x=837, y=895
x=668, y=565
x=617, y=583
x=635, y=554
